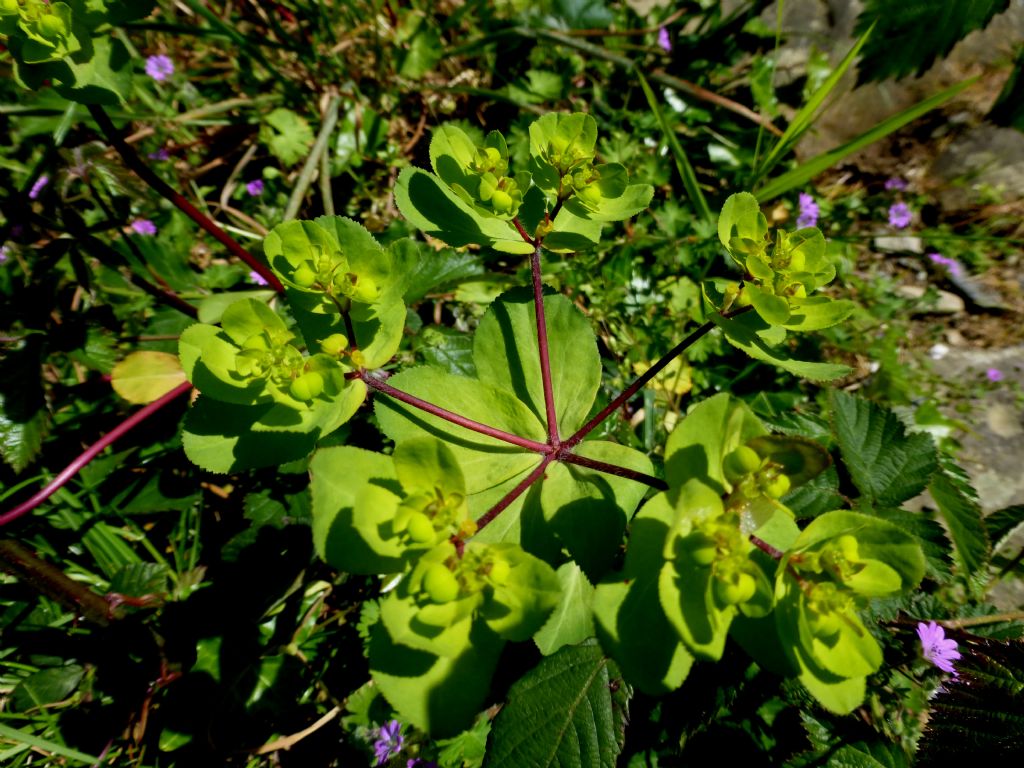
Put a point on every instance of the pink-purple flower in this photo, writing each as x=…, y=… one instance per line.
x=899, y=215
x=160, y=154
x=5, y=253
x=954, y=267
x=994, y=375
x=254, y=187
x=143, y=227
x=389, y=741
x=159, y=67
x=38, y=186
x=664, y=41
x=808, y=213
x=257, y=278
x=895, y=184
x=936, y=647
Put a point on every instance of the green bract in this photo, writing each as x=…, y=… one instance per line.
x=562, y=200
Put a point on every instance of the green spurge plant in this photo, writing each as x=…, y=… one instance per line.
x=495, y=512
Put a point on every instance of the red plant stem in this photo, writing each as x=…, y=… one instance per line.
x=767, y=548
x=612, y=469
x=133, y=161
x=523, y=233
x=442, y=413
x=91, y=452
x=515, y=493
x=649, y=374
x=542, y=346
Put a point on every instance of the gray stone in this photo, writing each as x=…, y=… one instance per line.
x=983, y=160
x=898, y=244
x=946, y=303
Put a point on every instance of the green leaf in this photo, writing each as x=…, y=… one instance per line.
x=1002, y=523
x=48, y=686
x=958, y=503
x=862, y=755
x=104, y=77
x=741, y=220
x=627, y=609
x=437, y=694
x=700, y=442
x=744, y=332
x=812, y=313
x=586, y=509
x=571, y=621
x=887, y=465
x=211, y=309
x=45, y=745
x=145, y=376
x=506, y=354
x=432, y=207
x=635, y=198
x=571, y=233
x=571, y=710
x=287, y=135
x=21, y=441
x=342, y=477
x=223, y=437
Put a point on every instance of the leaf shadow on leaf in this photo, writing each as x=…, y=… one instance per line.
x=452, y=225
x=516, y=366
x=692, y=462
x=591, y=529
x=219, y=437
x=349, y=547
x=645, y=645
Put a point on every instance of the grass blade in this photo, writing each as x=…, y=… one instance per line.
x=678, y=154
x=807, y=171
x=20, y=737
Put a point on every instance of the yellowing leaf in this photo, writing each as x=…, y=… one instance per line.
x=143, y=377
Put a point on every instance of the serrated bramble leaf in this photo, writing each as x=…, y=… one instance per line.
x=958, y=503
x=887, y=464
x=570, y=711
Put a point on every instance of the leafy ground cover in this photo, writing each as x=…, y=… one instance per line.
x=477, y=295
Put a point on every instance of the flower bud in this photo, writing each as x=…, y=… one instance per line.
x=735, y=587
x=420, y=529
x=739, y=462
x=701, y=548
x=776, y=486
x=51, y=26
x=501, y=201
x=304, y=276
x=823, y=624
x=307, y=386
x=335, y=344
x=440, y=584
x=364, y=289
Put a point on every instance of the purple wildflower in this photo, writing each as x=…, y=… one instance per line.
x=144, y=227
x=955, y=267
x=664, y=41
x=159, y=67
x=994, y=374
x=936, y=647
x=899, y=215
x=256, y=277
x=5, y=253
x=895, y=184
x=37, y=188
x=389, y=741
x=160, y=154
x=254, y=187
x=808, y=215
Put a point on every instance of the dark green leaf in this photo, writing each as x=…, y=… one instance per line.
x=958, y=503
x=887, y=465
x=570, y=712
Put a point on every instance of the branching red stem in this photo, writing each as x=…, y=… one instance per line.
x=91, y=452
x=442, y=413
x=767, y=548
x=515, y=493
x=612, y=469
x=133, y=161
